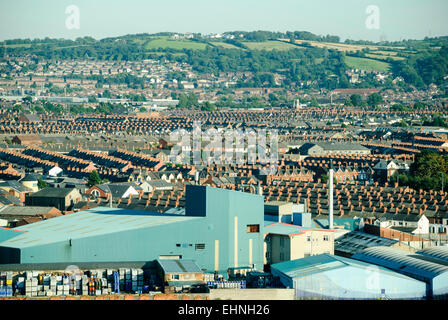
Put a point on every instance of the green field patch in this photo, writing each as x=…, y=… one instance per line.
x=165, y=43
x=269, y=45
x=366, y=64
x=383, y=57
x=224, y=45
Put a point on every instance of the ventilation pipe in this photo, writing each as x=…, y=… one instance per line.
x=330, y=197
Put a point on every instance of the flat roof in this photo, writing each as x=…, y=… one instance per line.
x=80, y=265
x=91, y=222
x=288, y=229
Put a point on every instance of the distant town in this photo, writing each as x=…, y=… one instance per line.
x=99, y=201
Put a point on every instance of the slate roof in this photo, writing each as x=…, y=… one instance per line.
x=15, y=185
x=179, y=266
x=52, y=193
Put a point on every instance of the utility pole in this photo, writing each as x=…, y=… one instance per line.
x=330, y=195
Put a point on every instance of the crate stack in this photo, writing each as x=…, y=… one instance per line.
x=84, y=285
x=50, y=283
x=122, y=278
x=20, y=282
x=6, y=284
x=227, y=284
x=131, y=280
x=101, y=282
x=31, y=283
x=137, y=280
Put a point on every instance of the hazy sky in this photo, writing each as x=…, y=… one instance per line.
x=399, y=19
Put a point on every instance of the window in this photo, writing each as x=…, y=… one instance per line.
x=177, y=244
x=199, y=246
x=253, y=228
x=326, y=238
x=308, y=239
x=175, y=277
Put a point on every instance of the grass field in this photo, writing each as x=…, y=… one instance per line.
x=383, y=57
x=269, y=45
x=174, y=44
x=366, y=64
x=18, y=45
x=224, y=45
x=342, y=46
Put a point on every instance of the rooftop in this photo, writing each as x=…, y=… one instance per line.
x=320, y=263
x=179, y=266
x=99, y=220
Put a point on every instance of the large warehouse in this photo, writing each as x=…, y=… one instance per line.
x=220, y=229
x=433, y=273
x=327, y=276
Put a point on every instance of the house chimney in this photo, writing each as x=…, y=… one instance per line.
x=330, y=199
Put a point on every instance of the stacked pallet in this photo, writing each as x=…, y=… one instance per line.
x=6, y=284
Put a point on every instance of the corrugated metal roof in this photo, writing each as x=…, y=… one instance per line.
x=440, y=253
x=400, y=261
x=356, y=241
x=99, y=220
x=320, y=263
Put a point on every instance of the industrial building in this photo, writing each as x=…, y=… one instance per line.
x=285, y=242
x=327, y=276
x=434, y=274
x=220, y=229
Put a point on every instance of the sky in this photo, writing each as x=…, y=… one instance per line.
x=398, y=19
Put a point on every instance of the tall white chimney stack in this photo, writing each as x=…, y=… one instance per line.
x=330, y=197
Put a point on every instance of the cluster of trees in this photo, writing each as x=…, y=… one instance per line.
x=129, y=80
x=188, y=101
x=436, y=121
x=428, y=172
x=372, y=100
x=261, y=36
x=102, y=108
x=425, y=68
x=407, y=108
x=297, y=65
x=95, y=179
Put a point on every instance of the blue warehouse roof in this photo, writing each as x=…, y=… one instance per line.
x=92, y=222
x=439, y=253
x=398, y=260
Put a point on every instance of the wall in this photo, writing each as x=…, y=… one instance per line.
x=284, y=248
x=300, y=247
x=252, y=294
x=279, y=248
